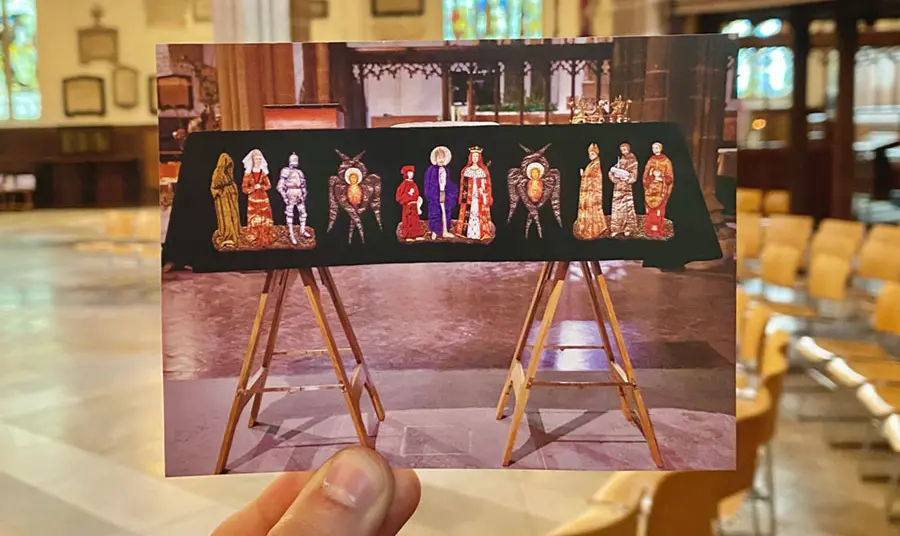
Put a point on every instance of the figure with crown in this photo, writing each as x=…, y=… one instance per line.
x=475, y=199
x=590, y=223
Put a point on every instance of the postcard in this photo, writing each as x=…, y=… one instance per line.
x=463, y=254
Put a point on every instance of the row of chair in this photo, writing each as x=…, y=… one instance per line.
x=780, y=248
x=756, y=201
x=700, y=503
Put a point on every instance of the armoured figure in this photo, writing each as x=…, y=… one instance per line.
x=292, y=187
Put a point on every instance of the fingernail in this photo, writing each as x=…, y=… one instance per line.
x=354, y=479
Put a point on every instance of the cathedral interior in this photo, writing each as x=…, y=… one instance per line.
x=113, y=415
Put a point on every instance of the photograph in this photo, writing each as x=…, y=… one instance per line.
x=468, y=254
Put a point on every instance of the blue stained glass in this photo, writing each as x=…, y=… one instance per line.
x=741, y=27
x=767, y=28
x=21, y=26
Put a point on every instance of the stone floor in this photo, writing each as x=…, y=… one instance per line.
x=81, y=432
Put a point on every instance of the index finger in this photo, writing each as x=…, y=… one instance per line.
x=261, y=514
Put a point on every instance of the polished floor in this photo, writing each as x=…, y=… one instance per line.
x=81, y=432
x=438, y=340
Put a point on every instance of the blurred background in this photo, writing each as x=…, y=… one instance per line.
x=88, y=174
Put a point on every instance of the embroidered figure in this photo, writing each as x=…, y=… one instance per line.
x=355, y=190
x=292, y=187
x=659, y=178
x=534, y=183
x=225, y=197
x=623, y=175
x=260, y=231
x=590, y=223
x=475, y=199
x=410, y=227
x=441, y=193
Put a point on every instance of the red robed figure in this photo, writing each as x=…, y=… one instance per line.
x=408, y=197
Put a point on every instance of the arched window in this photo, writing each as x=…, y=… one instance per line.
x=492, y=19
x=762, y=73
x=20, y=96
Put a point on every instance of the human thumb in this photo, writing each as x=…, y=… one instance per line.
x=348, y=496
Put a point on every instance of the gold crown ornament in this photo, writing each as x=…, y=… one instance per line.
x=476, y=149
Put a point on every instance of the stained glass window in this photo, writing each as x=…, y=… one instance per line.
x=20, y=96
x=767, y=72
x=492, y=19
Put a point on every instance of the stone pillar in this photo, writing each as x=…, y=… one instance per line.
x=251, y=21
x=842, y=179
x=799, y=181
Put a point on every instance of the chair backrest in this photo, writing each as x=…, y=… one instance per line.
x=779, y=264
x=753, y=429
x=741, y=303
x=789, y=229
x=773, y=368
x=887, y=309
x=684, y=502
x=614, y=519
x=755, y=321
x=749, y=235
x=748, y=200
x=879, y=260
x=777, y=202
x=883, y=232
x=836, y=245
x=849, y=229
x=828, y=277
x=615, y=509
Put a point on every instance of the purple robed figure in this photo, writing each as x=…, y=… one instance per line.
x=440, y=192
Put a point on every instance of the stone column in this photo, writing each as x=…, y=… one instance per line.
x=843, y=159
x=251, y=21
x=799, y=180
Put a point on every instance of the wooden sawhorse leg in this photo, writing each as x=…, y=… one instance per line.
x=277, y=283
x=520, y=379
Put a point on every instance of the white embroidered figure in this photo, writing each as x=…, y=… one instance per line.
x=292, y=187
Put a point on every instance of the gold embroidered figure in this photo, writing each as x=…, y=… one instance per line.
x=624, y=175
x=225, y=196
x=591, y=221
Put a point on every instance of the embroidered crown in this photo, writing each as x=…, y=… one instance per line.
x=475, y=149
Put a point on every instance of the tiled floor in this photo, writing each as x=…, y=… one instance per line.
x=81, y=422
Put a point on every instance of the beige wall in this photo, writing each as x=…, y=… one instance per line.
x=58, y=55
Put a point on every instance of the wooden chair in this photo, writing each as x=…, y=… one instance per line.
x=879, y=261
x=753, y=335
x=790, y=230
x=777, y=202
x=755, y=425
x=748, y=200
x=779, y=266
x=826, y=285
x=887, y=233
x=847, y=229
x=885, y=321
x=615, y=510
x=749, y=243
x=742, y=304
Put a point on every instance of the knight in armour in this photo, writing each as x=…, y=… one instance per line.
x=292, y=187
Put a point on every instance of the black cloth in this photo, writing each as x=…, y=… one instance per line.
x=193, y=217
